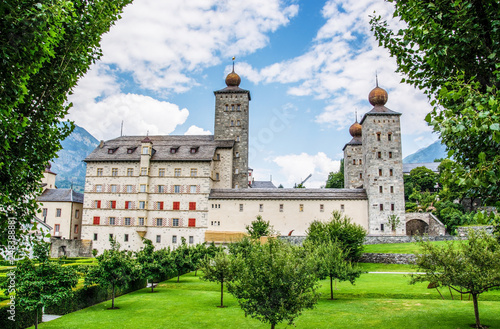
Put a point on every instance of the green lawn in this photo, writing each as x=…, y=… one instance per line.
x=376, y=301
x=396, y=248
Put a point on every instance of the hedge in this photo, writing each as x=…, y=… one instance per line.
x=22, y=319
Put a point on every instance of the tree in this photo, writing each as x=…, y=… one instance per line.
x=258, y=228
x=45, y=47
x=449, y=49
x=44, y=284
x=424, y=179
x=471, y=267
x=182, y=259
x=274, y=282
x=350, y=236
x=332, y=263
x=336, y=180
x=154, y=264
x=115, y=268
x=218, y=269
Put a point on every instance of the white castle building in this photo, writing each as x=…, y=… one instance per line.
x=165, y=188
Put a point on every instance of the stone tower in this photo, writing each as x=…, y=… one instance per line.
x=383, y=165
x=231, y=123
x=353, y=159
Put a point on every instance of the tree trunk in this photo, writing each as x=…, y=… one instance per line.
x=36, y=320
x=331, y=287
x=272, y=325
x=152, y=286
x=113, y=297
x=178, y=276
x=221, y=293
x=476, y=310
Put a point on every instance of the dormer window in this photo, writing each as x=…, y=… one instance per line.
x=131, y=150
x=145, y=150
x=194, y=150
x=174, y=150
x=111, y=151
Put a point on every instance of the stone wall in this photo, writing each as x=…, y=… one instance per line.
x=70, y=248
x=462, y=231
x=388, y=258
x=431, y=225
x=297, y=240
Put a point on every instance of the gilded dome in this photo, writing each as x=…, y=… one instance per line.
x=233, y=79
x=378, y=96
x=355, y=130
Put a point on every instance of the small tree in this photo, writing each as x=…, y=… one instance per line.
x=258, y=228
x=274, y=282
x=468, y=268
x=218, y=269
x=115, y=269
x=336, y=179
x=350, y=236
x=44, y=284
x=182, y=259
x=332, y=263
x=154, y=264
x=393, y=221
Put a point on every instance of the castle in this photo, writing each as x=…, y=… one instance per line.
x=165, y=188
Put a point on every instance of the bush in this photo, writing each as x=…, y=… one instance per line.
x=23, y=319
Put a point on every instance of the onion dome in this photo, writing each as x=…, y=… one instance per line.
x=233, y=79
x=378, y=96
x=355, y=130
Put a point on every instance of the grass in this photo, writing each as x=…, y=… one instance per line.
x=376, y=301
x=397, y=248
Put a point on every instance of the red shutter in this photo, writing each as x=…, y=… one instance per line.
x=113, y=204
x=160, y=205
x=192, y=222
x=192, y=206
x=177, y=205
x=97, y=220
x=127, y=204
x=98, y=204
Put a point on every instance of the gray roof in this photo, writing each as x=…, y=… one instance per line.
x=354, y=141
x=233, y=90
x=262, y=184
x=288, y=194
x=205, y=144
x=60, y=195
x=44, y=224
x=379, y=110
x=407, y=167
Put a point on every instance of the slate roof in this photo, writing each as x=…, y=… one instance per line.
x=354, y=141
x=262, y=184
x=205, y=144
x=379, y=110
x=60, y=195
x=407, y=167
x=233, y=90
x=288, y=194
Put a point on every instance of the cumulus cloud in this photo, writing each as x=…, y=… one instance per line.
x=140, y=115
x=194, y=130
x=296, y=167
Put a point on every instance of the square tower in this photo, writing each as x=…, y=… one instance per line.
x=383, y=165
x=231, y=123
x=353, y=159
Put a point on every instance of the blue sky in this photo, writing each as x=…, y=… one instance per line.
x=309, y=65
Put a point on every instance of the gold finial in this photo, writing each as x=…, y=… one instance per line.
x=376, y=78
x=233, y=62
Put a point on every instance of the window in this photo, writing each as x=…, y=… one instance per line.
x=142, y=188
x=281, y=207
x=144, y=171
x=177, y=189
x=98, y=188
x=379, y=155
x=353, y=161
x=114, y=188
x=114, y=172
x=381, y=207
x=237, y=138
x=111, y=237
x=159, y=205
x=44, y=212
x=173, y=150
x=390, y=155
x=192, y=206
x=192, y=189
x=389, y=136
x=58, y=212
x=174, y=238
x=97, y=204
x=130, y=171
x=321, y=207
x=159, y=222
x=99, y=171
x=237, y=154
x=382, y=227
x=145, y=150
x=392, y=189
x=142, y=204
x=125, y=238
x=232, y=123
x=161, y=189
x=111, y=221
x=192, y=222
x=175, y=221
x=128, y=204
x=342, y=208
x=238, y=122
x=378, y=136
x=76, y=229
x=194, y=172
x=241, y=206
x=176, y=205
x=227, y=107
x=57, y=227
x=217, y=156
x=141, y=221
x=95, y=236
x=131, y=150
x=77, y=213
x=238, y=107
x=158, y=239
x=380, y=172
x=236, y=185
x=360, y=162
x=216, y=176
x=191, y=239
x=391, y=172
x=236, y=171
x=161, y=172
x=232, y=107
x=127, y=221
x=360, y=175
x=381, y=189
x=193, y=150
x=392, y=206
x=97, y=220
x=177, y=172
x=112, y=204
x=130, y=189
x=261, y=207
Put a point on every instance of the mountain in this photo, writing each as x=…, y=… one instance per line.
x=68, y=165
x=428, y=154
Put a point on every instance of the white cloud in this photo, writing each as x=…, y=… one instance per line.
x=296, y=167
x=194, y=130
x=140, y=115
